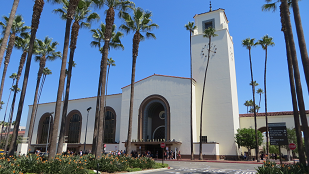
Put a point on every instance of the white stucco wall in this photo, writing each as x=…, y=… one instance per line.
x=81, y=105
x=220, y=108
x=176, y=91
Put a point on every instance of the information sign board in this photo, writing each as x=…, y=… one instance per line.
x=277, y=134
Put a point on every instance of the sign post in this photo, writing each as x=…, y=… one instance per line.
x=278, y=135
x=162, y=145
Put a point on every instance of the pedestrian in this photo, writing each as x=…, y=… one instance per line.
x=80, y=153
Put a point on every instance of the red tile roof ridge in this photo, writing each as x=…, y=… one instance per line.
x=270, y=114
x=158, y=75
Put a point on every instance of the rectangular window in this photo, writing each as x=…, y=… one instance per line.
x=204, y=139
x=208, y=23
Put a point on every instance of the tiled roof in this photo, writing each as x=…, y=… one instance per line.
x=270, y=114
x=158, y=75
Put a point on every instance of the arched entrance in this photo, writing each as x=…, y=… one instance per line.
x=154, y=119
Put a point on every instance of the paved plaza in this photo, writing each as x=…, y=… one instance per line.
x=185, y=167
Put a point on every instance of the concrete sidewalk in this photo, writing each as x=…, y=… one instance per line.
x=232, y=161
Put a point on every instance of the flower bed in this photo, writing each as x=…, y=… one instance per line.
x=74, y=164
x=273, y=168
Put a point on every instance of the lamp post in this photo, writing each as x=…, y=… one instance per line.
x=86, y=128
x=50, y=116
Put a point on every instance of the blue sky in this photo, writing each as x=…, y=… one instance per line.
x=168, y=54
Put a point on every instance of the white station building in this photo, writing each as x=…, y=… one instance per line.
x=161, y=111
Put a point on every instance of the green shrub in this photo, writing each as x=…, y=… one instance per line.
x=273, y=168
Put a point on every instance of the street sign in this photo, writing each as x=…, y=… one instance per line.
x=277, y=134
x=162, y=145
x=292, y=146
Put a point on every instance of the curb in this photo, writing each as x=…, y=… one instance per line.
x=151, y=170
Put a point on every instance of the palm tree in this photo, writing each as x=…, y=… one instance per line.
x=288, y=31
x=254, y=83
x=8, y=29
x=16, y=29
x=301, y=40
x=110, y=62
x=294, y=100
x=83, y=18
x=260, y=92
x=139, y=23
x=249, y=43
x=291, y=55
x=265, y=42
x=247, y=104
x=13, y=77
x=208, y=33
x=54, y=135
x=191, y=27
x=122, y=6
x=115, y=43
x=37, y=10
x=15, y=89
x=46, y=50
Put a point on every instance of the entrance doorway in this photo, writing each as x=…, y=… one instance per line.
x=154, y=149
x=154, y=119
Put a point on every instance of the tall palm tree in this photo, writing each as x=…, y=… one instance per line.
x=115, y=43
x=208, y=33
x=301, y=40
x=249, y=43
x=18, y=28
x=301, y=106
x=13, y=77
x=265, y=42
x=294, y=100
x=8, y=30
x=15, y=89
x=46, y=50
x=254, y=83
x=291, y=55
x=83, y=18
x=110, y=62
x=260, y=92
x=191, y=27
x=54, y=135
x=139, y=23
x=37, y=10
x=122, y=6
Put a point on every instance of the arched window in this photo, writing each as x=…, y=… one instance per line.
x=110, y=125
x=74, y=120
x=45, y=128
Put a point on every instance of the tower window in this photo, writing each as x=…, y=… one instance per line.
x=208, y=23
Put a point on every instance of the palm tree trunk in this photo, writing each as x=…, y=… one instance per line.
x=7, y=104
x=297, y=76
x=267, y=148
x=294, y=100
x=35, y=100
x=109, y=20
x=254, y=110
x=74, y=34
x=301, y=40
x=10, y=122
x=97, y=113
x=191, y=81
x=54, y=135
x=100, y=133
x=136, y=41
x=7, y=60
x=37, y=10
x=201, y=118
x=8, y=29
